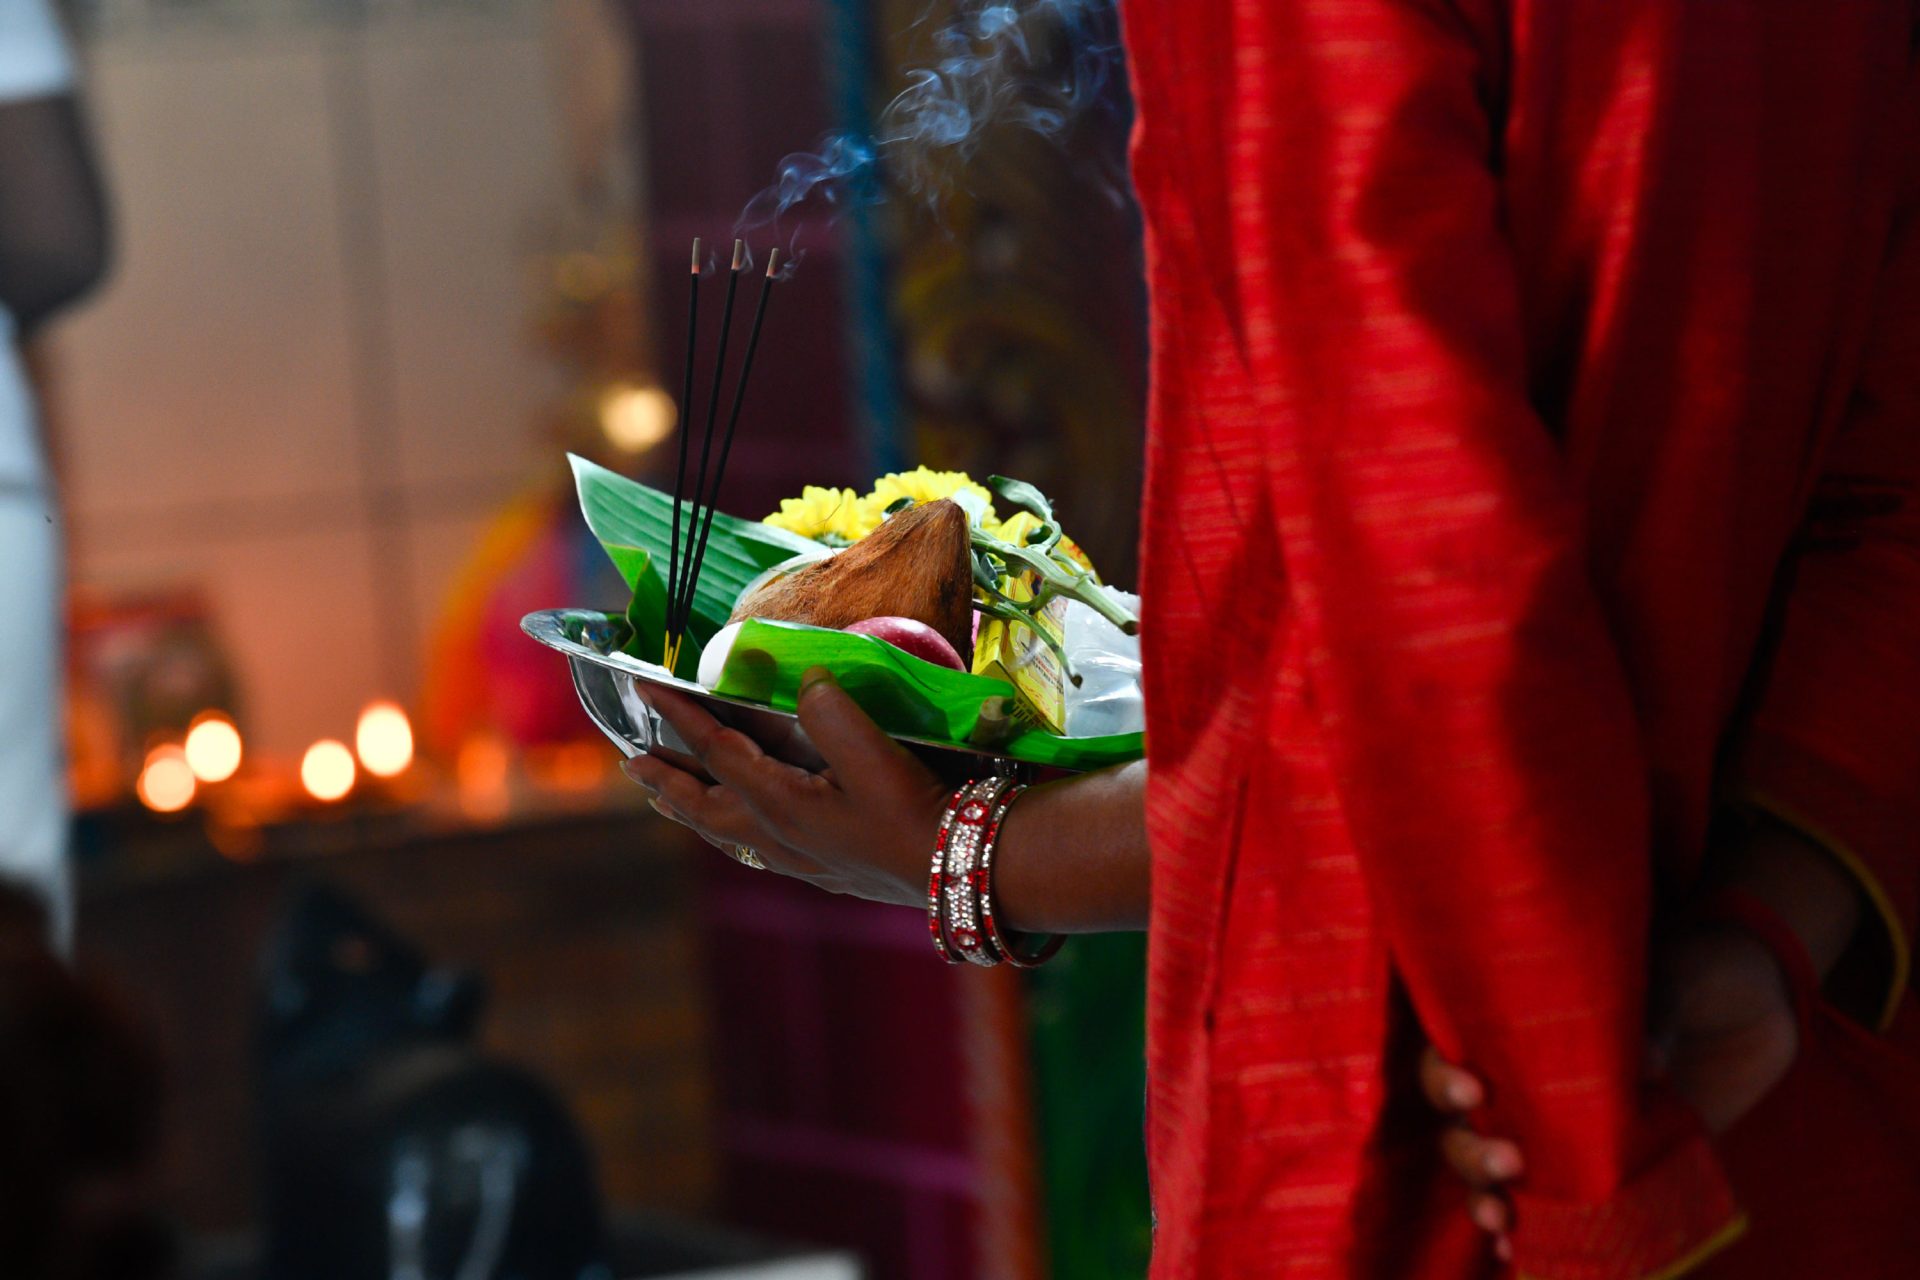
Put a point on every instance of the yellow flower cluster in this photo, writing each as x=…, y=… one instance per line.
x=840, y=517
x=836, y=516
x=925, y=485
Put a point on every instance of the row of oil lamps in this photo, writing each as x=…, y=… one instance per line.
x=211, y=751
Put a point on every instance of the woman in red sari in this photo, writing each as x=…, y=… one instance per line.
x=1532, y=582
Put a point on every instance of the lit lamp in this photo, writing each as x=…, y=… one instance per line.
x=167, y=782
x=213, y=748
x=327, y=770
x=384, y=740
x=635, y=418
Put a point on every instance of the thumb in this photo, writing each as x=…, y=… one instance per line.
x=858, y=752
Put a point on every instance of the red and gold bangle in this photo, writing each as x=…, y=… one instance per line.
x=960, y=916
x=976, y=816
x=980, y=873
x=936, y=878
x=1047, y=945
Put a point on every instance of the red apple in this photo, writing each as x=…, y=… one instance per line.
x=914, y=637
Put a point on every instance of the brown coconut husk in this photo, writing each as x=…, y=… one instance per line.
x=916, y=565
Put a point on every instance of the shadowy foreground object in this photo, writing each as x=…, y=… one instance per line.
x=79, y=1108
x=392, y=1146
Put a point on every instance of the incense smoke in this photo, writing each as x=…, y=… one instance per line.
x=1028, y=64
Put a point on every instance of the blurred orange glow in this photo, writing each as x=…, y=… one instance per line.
x=166, y=782
x=384, y=740
x=327, y=770
x=235, y=837
x=572, y=767
x=636, y=418
x=481, y=774
x=213, y=747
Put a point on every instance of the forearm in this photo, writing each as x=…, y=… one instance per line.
x=1804, y=885
x=1073, y=855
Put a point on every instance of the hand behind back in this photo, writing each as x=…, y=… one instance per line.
x=1724, y=1034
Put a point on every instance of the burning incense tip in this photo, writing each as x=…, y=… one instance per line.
x=773, y=261
x=739, y=255
x=696, y=255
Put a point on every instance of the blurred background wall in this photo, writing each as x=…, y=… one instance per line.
x=314, y=378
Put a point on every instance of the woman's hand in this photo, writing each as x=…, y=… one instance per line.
x=1486, y=1165
x=1724, y=1029
x=864, y=826
x=1073, y=853
x=1724, y=1035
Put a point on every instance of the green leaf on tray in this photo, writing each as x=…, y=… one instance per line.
x=647, y=610
x=905, y=695
x=634, y=524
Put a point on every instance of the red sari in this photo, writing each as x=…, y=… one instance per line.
x=1535, y=425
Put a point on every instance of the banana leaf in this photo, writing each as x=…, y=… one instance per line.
x=905, y=695
x=634, y=525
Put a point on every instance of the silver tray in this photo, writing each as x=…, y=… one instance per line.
x=616, y=689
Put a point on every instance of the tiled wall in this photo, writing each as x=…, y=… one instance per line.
x=311, y=377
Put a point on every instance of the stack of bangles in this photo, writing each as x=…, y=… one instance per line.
x=960, y=888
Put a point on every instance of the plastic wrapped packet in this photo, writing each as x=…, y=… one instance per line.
x=1108, y=700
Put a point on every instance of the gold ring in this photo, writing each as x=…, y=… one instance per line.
x=746, y=857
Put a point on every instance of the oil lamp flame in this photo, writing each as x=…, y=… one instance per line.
x=327, y=770
x=213, y=747
x=166, y=782
x=384, y=740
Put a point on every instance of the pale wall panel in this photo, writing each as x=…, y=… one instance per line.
x=467, y=156
x=216, y=360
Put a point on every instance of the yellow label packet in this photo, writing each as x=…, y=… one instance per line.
x=1010, y=651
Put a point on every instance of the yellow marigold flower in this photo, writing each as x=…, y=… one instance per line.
x=1020, y=524
x=925, y=485
x=1016, y=527
x=834, y=516
x=858, y=518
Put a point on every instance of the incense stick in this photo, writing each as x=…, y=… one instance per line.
x=671, y=654
x=733, y=422
x=680, y=609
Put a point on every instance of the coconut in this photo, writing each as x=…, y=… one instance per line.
x=918, y=565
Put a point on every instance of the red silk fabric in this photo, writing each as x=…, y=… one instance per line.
x=1536, y=389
